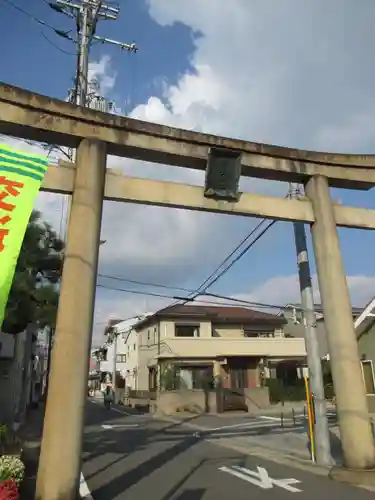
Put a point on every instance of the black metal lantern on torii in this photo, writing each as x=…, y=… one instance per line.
x=223, y=173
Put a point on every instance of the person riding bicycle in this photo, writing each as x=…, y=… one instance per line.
x=108, y=395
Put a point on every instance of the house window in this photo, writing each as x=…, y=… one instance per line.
x=258, y=334
x=133, y=347
x=194, y=377
x=183, y=330
x=121, y=358
x=368, y=376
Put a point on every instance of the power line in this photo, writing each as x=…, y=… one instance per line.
x=229, y=300
x=208, y=282
x=244, y=251
x=209, y=278
x=64, y=34
x=56, y=46
x=170, y=287
x=145, y=283
x=258, y=226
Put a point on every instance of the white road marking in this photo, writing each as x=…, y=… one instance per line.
x=264, y=417
x=241, y=425
x=225, y=431
x=84, y=491
x=116, y=426
x=261, y=478
x=245, y=477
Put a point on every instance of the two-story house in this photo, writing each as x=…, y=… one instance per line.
x=225, y=343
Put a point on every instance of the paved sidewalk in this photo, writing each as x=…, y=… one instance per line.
x=30, y=434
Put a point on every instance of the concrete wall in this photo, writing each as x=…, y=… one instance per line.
x=194, y=401
x=217, y=346
x=257, y=398
x=197, y=401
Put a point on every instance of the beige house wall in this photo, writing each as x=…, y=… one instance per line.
x=215, y=341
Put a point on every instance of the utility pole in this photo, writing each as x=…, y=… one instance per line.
x=114, y=365
x=87, y=14
x=322, y=439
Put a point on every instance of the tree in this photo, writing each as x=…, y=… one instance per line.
x=34, y=294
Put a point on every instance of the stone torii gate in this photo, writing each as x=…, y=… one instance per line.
x=95, y=135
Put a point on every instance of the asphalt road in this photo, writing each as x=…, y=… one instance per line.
x=134, y=457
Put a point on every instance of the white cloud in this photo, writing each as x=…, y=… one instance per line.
x=102, y=71
x=292, y=73
x=281, y=290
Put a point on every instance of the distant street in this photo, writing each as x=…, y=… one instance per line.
x=134, y=457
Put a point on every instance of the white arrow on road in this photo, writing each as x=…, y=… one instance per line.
x=116, y=426
x=261, y=478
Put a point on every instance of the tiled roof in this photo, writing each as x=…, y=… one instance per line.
x=214, y=313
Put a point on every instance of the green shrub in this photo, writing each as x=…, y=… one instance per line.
x=3, y=431
x=280, y=392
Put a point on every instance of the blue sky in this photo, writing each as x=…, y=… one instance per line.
x=308, y=85
x=39, y=66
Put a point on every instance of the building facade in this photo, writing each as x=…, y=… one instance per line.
x=294, y=326
x=190, y=344
x=365, y=330
x=121, y=348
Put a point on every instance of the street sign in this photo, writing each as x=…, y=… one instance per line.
x=261, y=478
x=117, y=426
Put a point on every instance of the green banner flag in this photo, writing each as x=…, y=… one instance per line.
x=21, y=175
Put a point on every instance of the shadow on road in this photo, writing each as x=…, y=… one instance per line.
x=116, y=486
x=196, y=494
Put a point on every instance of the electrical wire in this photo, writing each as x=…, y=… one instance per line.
x=145, y=283
x=138, y=292
x=223, y=297
x=56, y=46
x=244, y=251
x=64, y=34
x=210, y=280
x=258, y=226
x=243, y=241
x=170, y=287
x=177, y=288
